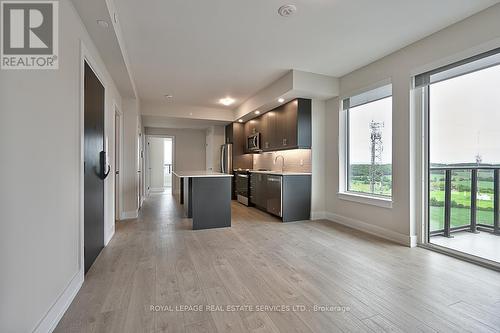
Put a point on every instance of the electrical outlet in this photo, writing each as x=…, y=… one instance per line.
x=301, y=162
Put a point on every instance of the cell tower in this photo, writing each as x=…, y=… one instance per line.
x=376, y=149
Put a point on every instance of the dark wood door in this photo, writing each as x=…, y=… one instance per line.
x=93, y=173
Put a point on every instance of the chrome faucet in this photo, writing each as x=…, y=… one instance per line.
x=282, y=161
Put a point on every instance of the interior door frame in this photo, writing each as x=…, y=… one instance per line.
x=118, y=194
x=147, y=175
x=86, y=57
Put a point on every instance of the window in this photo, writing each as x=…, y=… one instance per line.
x=369, y=142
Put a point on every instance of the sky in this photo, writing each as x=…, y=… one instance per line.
x=464, y=117
x=359, y=130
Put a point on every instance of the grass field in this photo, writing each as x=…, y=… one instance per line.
x=459, y=217
x=461, y=198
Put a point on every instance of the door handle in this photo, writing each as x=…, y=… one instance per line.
x=102, y=162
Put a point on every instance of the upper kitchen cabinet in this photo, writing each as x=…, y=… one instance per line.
x=287, y=127
x=235, y=134
x=252, y=126
x=268, y=129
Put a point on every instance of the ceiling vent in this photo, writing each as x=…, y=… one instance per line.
x=287, y=10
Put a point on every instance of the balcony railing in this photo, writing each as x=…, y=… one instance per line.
x=442, y=179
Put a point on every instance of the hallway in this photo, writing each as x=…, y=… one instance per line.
x=367, y=284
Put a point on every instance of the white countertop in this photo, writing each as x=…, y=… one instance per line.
x=283, y=173
x=191, y=174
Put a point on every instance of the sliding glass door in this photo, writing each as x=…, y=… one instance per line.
x=463, y=115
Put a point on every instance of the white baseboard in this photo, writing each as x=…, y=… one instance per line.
x=109, y=235
x=407, y=240
x=55, y=313
x=318, y=215
x=133, y=214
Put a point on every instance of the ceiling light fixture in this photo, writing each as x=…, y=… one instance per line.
x=257, y=112
x=281, y=100
x=226, y=101
x=240, y=120
x=103, y=24
x=287, y=10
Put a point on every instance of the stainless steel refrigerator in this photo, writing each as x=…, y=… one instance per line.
x=226, y=158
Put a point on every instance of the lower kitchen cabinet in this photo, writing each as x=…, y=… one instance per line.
x=286, y=196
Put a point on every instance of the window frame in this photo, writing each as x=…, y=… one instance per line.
x=345, y=191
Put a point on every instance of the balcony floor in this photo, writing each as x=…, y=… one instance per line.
x=483, y=244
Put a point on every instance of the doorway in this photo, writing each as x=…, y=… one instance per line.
x=463, y=160
x=95, y=166
x=160, y=164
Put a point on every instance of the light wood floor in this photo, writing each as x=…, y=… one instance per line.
x=158, y=260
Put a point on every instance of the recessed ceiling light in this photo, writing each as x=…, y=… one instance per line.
x=257, y=112
x=226, y=101
x=281, y=100
x=103, y=24
x=240, y=120
x=287, y=10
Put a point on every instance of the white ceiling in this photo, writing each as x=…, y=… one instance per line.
x=106, y=42
x=200, y=51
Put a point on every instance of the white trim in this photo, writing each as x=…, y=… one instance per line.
x=51, y=319
x=366, y=199
x=116, y=110
x=319, y=215
x=133, y=214
x=407, y=240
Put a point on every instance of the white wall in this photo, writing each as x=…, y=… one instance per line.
x=476, y=34
x=189, y=150
x=318, y=151
x=40, y=174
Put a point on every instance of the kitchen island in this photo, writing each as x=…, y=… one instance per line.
x=206, y=197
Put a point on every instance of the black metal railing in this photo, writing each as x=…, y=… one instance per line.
x=473, y=225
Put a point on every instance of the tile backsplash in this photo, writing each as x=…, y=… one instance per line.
x=296, y=160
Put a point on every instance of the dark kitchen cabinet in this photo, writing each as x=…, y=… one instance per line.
x=258, y=190
x=285, y=196
x=235, y=134
x=268, y=130
x=252, y=126
x=287, y=126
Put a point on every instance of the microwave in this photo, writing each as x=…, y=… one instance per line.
x=253, y=142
